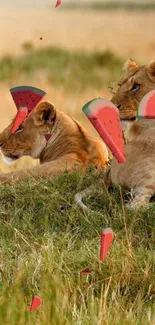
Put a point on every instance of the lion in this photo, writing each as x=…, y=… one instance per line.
x=69, y=145
x=135, y=84
x=138, y=172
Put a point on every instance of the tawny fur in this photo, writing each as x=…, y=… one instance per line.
x=138, y=173
x=69, y=147
x=129, y=94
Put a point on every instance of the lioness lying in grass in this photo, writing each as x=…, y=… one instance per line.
x=69, y=145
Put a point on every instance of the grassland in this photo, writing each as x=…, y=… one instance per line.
x=46, y=241
x=110, y=5
x=73, y=70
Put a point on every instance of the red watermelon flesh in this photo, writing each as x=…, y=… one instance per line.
x=20, y=117
x=36, y=302
x=146, y=108
x=105, y=118
x=25, y=98
x=106, y=241
x=85, y=271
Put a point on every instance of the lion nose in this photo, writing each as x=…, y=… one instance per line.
x=118, y=106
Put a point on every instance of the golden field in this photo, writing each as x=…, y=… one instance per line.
x=128, y=34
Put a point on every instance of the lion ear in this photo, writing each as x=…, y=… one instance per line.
x=151, y=70
x=44, y=113
x=129, y=65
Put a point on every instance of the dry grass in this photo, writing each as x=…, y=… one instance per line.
x=46, y=241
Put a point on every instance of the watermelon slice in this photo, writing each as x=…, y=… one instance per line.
x=146, y=108
x=105, y=118
x=36, y=302
x=106, y=240
x=26, y=98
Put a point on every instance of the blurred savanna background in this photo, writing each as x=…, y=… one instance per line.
x=75, y=52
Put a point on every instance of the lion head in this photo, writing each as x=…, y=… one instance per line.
x=29, y=139
x=137, y=81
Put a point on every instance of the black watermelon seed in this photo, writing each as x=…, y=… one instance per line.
x=33, y=101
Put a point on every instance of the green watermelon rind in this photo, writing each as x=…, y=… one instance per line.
x=92, y=106
x=141, y=111
x=28, y=88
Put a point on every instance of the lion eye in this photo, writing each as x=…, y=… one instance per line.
x=135, y=87
x=19, y=129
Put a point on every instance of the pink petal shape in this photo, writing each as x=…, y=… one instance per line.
x=106, y=240
x=58, y=3
x=36, y=302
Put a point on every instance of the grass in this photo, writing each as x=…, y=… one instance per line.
x=46, y=241
x=111, y=5
x=73, y=70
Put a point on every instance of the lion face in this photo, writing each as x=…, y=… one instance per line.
x=136, y=82
x=29, y=139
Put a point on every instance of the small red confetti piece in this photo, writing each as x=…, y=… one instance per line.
x=58, y=3
x=36, y=302
x=47, y=136
x=106, y=240
x=86, y=271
